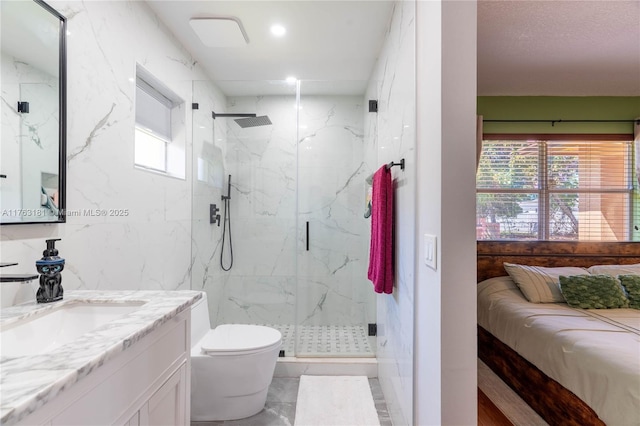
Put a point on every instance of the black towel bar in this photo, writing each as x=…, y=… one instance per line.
x=401, y=164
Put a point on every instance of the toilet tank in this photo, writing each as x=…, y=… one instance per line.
x=200, y=324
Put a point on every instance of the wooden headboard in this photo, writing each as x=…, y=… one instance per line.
x=491, y=254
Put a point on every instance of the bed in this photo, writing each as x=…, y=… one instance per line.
x=573, y=367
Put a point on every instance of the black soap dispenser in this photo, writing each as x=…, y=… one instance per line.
x=49, y=268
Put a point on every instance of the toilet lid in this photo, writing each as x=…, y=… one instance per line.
x=239, y=337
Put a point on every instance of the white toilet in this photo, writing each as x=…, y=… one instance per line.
x=231, y=366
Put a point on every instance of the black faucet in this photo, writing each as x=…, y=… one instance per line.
x=14, y=278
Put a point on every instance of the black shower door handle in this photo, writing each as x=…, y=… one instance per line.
x=307, y=235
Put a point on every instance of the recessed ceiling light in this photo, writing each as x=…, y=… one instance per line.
x=291, y=80
x=278, y=30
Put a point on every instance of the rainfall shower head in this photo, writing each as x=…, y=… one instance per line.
x=246, y=120
x=263, y=120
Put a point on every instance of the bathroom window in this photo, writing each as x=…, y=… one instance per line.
x=159, y=133
x=150, y=151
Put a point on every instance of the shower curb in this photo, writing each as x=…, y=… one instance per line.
x=344, y=366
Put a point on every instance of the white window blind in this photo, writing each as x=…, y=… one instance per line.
x=555, y=190
x=153, y=111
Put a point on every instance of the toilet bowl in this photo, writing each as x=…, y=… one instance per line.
x=231, y=367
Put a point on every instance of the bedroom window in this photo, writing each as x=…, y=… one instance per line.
x=565, y=188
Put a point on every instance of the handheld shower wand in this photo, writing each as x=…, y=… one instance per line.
x=228, y=196
x=227, y=220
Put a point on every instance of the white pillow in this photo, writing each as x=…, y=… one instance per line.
x=615, y=270
x=540, y=284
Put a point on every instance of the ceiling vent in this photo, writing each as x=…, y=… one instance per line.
x=220, y=31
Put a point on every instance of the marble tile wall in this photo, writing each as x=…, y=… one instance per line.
x=333, y=285
x=261, y=286
x=160, y=230
x=150, y=246
x=391, y=136
x=209, y=183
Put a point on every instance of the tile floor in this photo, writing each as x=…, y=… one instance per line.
x=280, y=409
x=351, y=340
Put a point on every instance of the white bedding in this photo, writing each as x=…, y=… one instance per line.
x=593, y=353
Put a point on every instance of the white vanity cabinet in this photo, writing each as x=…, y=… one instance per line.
x=165, y=407
x=146, y=384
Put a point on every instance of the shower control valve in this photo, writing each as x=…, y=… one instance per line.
x=214, y=217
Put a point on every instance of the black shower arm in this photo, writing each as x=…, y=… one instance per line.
x=241, y=115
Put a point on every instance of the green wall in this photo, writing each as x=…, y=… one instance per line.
x=556, y=108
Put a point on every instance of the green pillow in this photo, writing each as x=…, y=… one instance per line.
x=631, y=284
x=593, y=292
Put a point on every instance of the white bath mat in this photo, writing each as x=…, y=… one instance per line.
x=335, y=401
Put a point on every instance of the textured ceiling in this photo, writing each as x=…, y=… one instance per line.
x=569, y=48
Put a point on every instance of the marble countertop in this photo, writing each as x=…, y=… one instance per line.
x=28, y=382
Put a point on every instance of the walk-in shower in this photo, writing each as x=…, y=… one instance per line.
x=307, y=167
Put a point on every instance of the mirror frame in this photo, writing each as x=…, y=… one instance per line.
x=62, y=119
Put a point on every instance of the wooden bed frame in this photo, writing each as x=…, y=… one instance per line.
x=554, y=403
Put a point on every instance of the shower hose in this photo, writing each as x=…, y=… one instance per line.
x=227, y=221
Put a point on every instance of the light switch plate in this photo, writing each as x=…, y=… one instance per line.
x=431, y=251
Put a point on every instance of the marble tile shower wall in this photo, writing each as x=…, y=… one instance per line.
x=391, y=138
x=331, y=287
x=209, y=184
x=260, y=288
x=149, y=247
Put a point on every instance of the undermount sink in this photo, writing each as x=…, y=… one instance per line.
x=45, y=332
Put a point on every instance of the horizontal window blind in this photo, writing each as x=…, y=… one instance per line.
x=589, y=165
x=508, y=165
x=555, y=190
x=153, y=111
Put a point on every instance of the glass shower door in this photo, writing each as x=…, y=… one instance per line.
x=307, y=166
x=259, y=287
x=335, y=302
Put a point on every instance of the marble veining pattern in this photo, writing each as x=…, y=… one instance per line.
x=155, y=234
x=28, y=382
x=391, y=135
x=326, y=285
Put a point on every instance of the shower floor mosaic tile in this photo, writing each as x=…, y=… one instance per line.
x=351, y=340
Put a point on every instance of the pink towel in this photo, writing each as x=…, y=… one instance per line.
x=381, y=248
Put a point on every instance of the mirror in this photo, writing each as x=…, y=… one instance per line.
x=33, y=107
